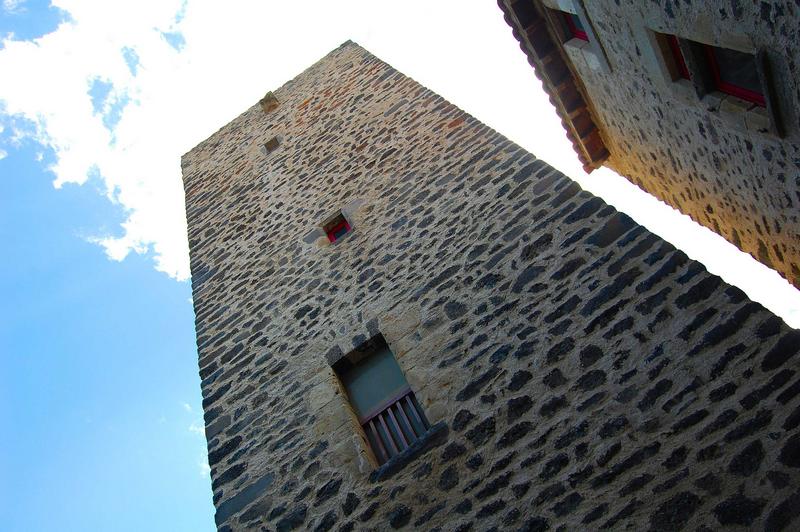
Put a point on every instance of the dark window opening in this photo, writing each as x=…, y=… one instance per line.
x=337, y=228
x=381, y=398
x=272, y=144
x=735, y=73
x=678, y=61
x=575, y=26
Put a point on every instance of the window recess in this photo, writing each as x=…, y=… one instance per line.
x=571, y=25
x=574, y=26
x=735, y=85
x=382, y=400
x=336, y=228
x=679, y=68
x=735, y=73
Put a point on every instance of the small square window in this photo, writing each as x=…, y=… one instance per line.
x=735, y=73
x=337, y=227
x=575, y=26
x=381, y=398
x=272, y=144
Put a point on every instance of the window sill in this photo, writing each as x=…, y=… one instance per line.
x=741, y=114
x=580, y=51
x=434, y=437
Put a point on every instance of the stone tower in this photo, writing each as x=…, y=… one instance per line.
x=406, y=320
x=694, y=102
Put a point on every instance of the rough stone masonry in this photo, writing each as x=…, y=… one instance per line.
x=707, y=156
x=580, y=373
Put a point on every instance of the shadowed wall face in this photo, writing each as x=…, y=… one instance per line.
x=692, y=140
x=575, y=369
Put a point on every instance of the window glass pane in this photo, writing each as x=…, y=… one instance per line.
x=373, y=381
x=737, y=68
x=576, y=23
x=339, y=232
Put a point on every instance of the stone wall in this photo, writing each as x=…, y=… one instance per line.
x=703, y=156
x=582, y=372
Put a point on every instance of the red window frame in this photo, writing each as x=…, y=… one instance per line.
x=573, y=28
x=677, y=55
x=335, y=229
x=730, y=88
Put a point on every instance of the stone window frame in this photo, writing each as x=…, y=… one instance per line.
x=318, y=235
x=591, y=49
x=434, y=436
x=383, y=426
x=334, y=224
x=700, y=91
x=271, y=145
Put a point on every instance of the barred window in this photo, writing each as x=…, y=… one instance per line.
x=382, y=400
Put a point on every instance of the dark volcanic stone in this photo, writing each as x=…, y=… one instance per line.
x=481, y=432
x=243, y=498
x=513, y=434
x=591, y=380
x=553, y=466
x=327, y=522
x=675, y=513
x=677, y=457
x=549, y=493
x=787, y=347
x=292, y=520
x=613, y=427
x=231, y=473
x=519, y=379
x=568, y=505
x=535, y=524
x=560, y=349
x=790, y=453
x=554, y=379
x=589, y=355
x=518, y=406
x=739, y=510
x=784, y=513
x=227, y=448
x=449, y=479
x=350, y=503
x=748, y=461
x=553, y=405
x=452, y=451
x=709, y=483
x=462, y=419
x=328, y=490
x=471, y=390
x=595, y=514
x=455, y=310
x=399, y=516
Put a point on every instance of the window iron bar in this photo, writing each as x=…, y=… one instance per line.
x=389, y=434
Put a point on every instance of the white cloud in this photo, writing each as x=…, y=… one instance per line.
x=13, y=6
x=231, y=53
x=187, y=407
x=3, y=154
x=197, y=428
x=202, y=464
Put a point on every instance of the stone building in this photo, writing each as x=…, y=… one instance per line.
x=406, y=320
x=694, y=102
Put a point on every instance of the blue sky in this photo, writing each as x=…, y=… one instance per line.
x=99, y=393
x=99, y=384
